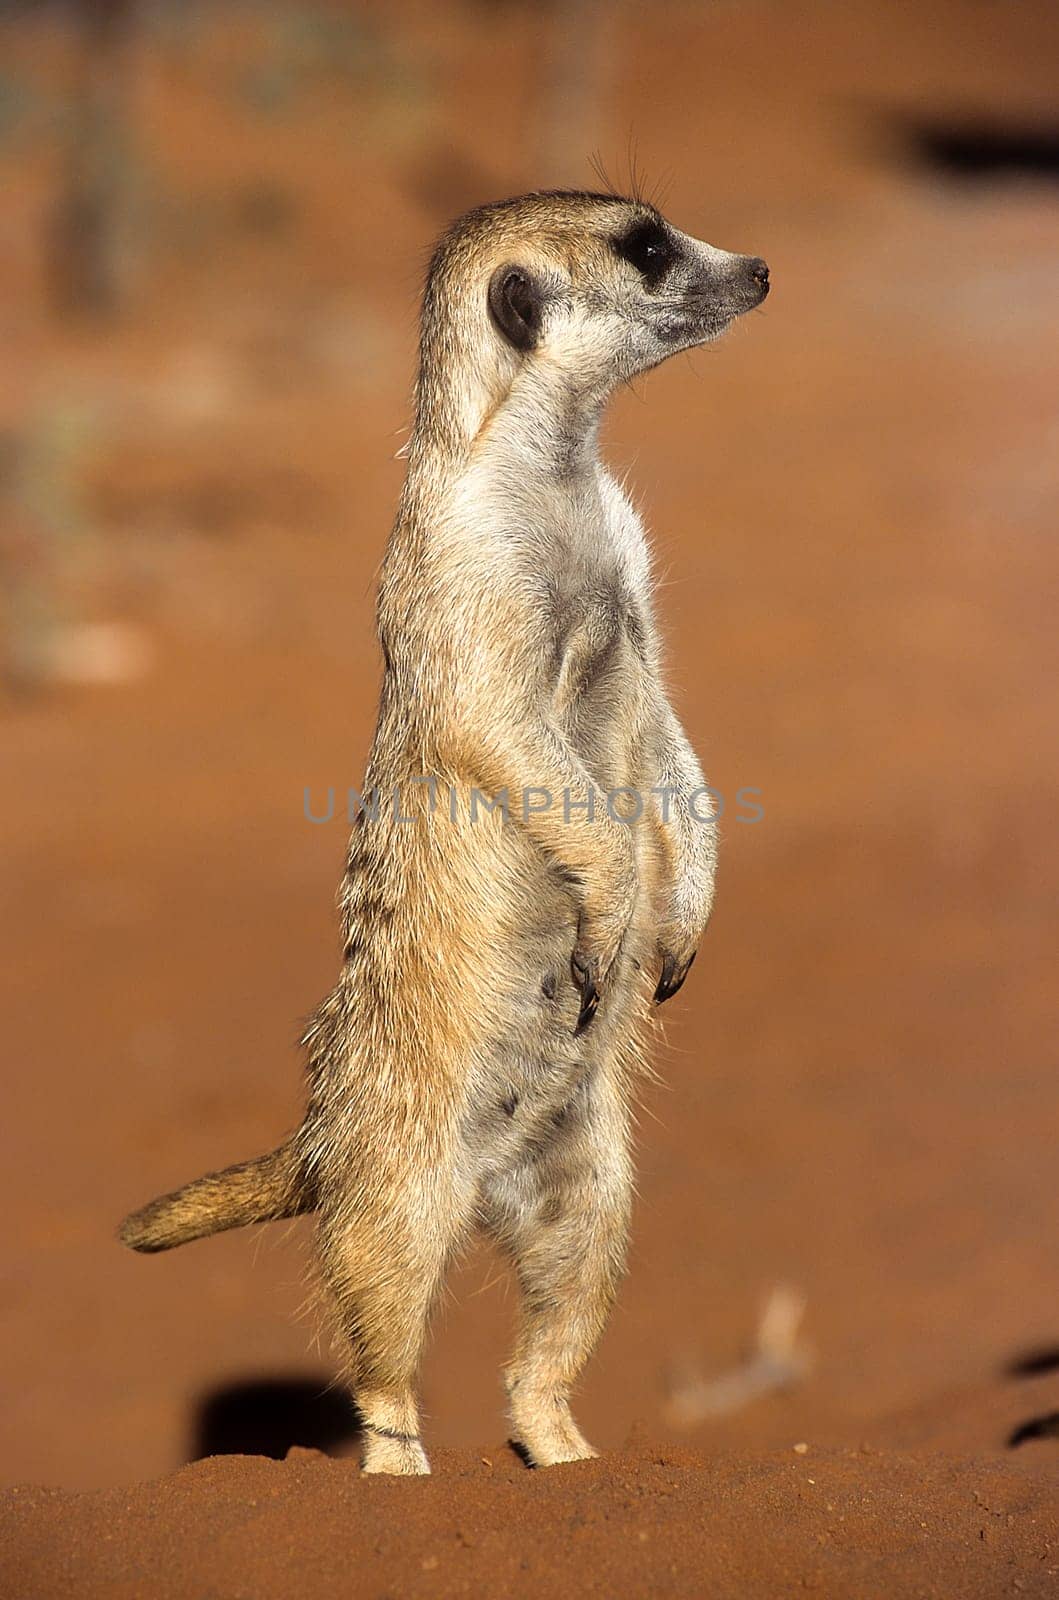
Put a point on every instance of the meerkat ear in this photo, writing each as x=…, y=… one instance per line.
x=515, y=302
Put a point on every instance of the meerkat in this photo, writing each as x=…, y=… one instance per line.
x=544, y=874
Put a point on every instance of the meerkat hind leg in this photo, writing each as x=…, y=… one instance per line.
x=398, y=1456
x=384, y=1275
x=564, y=1221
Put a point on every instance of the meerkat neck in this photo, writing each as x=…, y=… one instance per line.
x=546, y=420
x=535, y=415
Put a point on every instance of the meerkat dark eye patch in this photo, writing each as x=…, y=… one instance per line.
x=647, y=247
x=515, y=303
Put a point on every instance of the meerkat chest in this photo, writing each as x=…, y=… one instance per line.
x=594, y=646
x=601, y=625
x=576, y=547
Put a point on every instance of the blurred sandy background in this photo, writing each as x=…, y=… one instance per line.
x=213, y=223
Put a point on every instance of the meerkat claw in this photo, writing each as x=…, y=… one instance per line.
x=672, y=978
x=587, y=1013
x=585, y=978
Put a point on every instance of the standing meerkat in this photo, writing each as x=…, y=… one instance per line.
x=533, y=865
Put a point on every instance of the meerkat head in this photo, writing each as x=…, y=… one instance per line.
x=597, y=286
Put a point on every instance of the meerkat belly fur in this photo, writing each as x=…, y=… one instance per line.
x=507, y=932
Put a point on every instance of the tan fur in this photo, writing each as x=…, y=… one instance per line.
x=457, y=1077
x=268, y=1189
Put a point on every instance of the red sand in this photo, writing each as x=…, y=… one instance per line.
x=648, y=1521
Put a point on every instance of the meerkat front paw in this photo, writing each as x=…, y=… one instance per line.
x=674, y=970
x=599, y=941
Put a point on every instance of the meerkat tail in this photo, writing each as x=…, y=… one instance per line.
x=269, y=1188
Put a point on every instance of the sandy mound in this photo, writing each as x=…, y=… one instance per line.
x=646, y=1521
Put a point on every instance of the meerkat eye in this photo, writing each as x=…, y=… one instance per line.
x=649, y=249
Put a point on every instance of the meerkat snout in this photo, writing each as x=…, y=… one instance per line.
x=759, y=271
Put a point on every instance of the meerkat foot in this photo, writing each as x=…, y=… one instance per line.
x=548, y=1434
x=399, y=1454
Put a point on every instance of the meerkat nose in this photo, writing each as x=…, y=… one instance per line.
x=759, y=271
